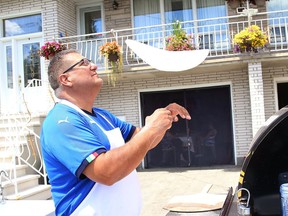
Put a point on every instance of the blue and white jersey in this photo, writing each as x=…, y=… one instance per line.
x=70, y=141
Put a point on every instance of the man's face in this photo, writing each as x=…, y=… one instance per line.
x=81, y=73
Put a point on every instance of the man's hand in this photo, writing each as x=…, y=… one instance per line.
x=158, y=123
x=160, y=120
x=176, y=110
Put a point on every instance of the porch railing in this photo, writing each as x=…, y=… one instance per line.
x=213, y=34
x=21, y=144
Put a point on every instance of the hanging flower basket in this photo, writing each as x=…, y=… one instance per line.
x=112, y=53
x=49, y=49
x=251, y=39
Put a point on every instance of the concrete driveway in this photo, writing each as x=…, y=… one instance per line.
x=159, y=186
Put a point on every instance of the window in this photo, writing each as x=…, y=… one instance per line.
x=151, y=13
x=9, y=67
x=22, y=25
x=213, y=32
x=91, y=20
x=147, y=13
x=178, y=10
x=31, y=62
x=282, y=89
x=278, y=21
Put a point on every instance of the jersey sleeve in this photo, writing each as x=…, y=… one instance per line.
x=70, y=139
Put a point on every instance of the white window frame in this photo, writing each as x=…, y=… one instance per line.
x=80, y=25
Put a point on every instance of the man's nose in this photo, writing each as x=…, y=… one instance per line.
x=93, y=66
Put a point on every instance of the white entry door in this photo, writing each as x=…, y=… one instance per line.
x=20, y=66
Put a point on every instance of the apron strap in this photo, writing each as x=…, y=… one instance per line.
x=92, y=121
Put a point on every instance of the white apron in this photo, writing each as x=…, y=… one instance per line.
x=122, y=198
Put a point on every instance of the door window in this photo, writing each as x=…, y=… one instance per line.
x=91, y=20
x=31, y=62
x=9, y=69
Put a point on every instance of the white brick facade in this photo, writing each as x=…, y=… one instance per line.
x=123, y=100
x=256, y=94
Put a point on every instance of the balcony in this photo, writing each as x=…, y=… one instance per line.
x=213, y=34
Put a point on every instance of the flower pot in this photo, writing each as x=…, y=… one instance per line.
x=113, y=57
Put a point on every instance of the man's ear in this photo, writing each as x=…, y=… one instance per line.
x=65, y=80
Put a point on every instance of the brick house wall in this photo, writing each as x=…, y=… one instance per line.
x=272, y=71
x=57, y=16
x=123, y=100
x=120, y=18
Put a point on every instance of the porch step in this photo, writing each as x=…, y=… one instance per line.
x=14, y=136
x=20, y=169
x=39, y=192
x=24, y=182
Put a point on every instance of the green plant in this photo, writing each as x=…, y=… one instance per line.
x=179, y=40
x=251, y=39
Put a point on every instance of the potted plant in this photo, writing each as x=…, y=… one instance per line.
x=251, y=39
x=179, y=40
x=112, y=53
x=49, y=49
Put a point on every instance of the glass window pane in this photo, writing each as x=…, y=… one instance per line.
x=277, y=5
x=91, y=20
x=213, y=33
x=277, y=21
x=22, y=25
x=31, y=61
x=9, y=67
x=211, y=9
x=178, y=10
x=147, y=13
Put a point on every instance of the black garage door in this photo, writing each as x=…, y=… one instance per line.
x=205, y=140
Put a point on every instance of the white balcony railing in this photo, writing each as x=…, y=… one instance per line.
x=213, y=34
